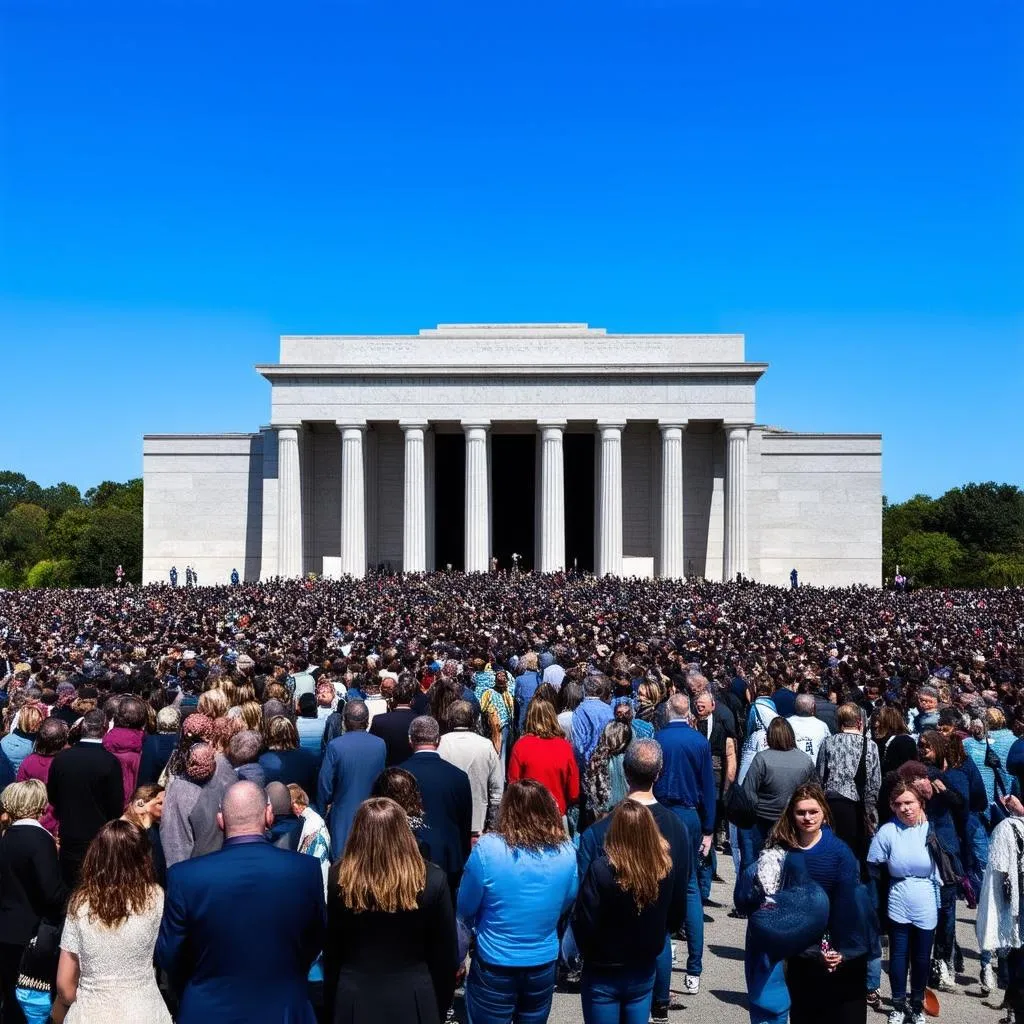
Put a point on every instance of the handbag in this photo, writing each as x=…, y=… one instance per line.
x=996, y=812
x=739, y=809
x=860, y=781
x=37, y=972
x=941, y=859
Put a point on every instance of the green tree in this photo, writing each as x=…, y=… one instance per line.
x=989, y=516
x=110, y=494
x=66, y=532
x=1004, y=571
x=59, y=498
x=51, y=573
x=112, y=537
x=23, y=535
x=915, y=515
x=16, y=489
x=930, y=558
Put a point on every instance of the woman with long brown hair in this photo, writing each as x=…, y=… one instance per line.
x=106, y=971
x=628, y=902
x=544, y=754
x=391, y=952
x=518, y=882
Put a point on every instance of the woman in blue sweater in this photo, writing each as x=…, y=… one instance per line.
x=519, y=880
x=831, y=975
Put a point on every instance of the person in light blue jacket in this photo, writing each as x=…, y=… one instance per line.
x=518, y=882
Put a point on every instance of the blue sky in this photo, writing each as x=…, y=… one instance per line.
x=182, y=182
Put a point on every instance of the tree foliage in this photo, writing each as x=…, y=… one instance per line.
x=971, y=536
x=56, y=537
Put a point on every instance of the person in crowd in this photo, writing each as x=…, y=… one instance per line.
x=351, y=764
x=627, y=902
x=643, y=765
x=447, y=799
x=833, y=975
x=86, y=790
x=722, y=740
x=284, y=760
x=393, y=726
x=32, y=887
x=605, y=779
x=926, y=715
x=157, y=747
x=518, y=882
x=912, y=901
x=687, y=787
x=391, y=951
x=51, y=739
x=895, y=744
x=543, y=754
x=206, y=944
x=19, y=742
x=199, y=777
x=592, y=714
x=314, y=839
x=810, y=732
x=125, y=738
x=988, y=746
x=309, y=725
x=498, y=712
x=526, y=684
x=105, y=972
x=850, y=774
x=477, y=757
x=144, y=810
x=286, y=831
x=570, y=696
x=244, y=750
x=772, y=779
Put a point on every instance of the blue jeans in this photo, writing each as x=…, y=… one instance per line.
x=910, y=948
x=500, y=995
x=620, y=996
x=945, y=930
x=693, y=928
x=874, y=981
x=663, y=973
x=706, y=868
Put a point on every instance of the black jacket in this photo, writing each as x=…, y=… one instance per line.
x=611, y=932
x=393, y=729
x=448, y=809
x=30, y=883
x=86, y=789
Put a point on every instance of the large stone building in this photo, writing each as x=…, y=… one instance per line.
x=556, y=443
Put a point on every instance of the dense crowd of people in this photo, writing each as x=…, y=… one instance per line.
x=344, y=801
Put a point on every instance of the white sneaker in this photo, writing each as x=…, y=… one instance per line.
x=946, y=982
x=917, y=1018
x=897, y=1015
x=691, y=984
x=988, y=979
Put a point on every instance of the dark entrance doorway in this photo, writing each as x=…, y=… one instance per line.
x=449, y=500
x=578, y=453
x=512, y=498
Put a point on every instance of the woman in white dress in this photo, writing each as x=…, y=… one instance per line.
x=106, y=971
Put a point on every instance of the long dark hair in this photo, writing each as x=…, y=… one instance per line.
x=117, y=874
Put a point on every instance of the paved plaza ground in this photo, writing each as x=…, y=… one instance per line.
x=722, y=999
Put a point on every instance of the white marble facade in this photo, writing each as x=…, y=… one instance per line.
x=345, y=476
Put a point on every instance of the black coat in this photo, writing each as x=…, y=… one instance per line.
x=391, y=968
x=86, y=789
x=448, y=809
x=30, y=883
x=393, y=729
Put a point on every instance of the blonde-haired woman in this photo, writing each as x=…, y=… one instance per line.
x=626, y=906
x=30, y=881
x=391, y=952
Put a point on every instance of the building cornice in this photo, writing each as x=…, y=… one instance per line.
x=744, y=371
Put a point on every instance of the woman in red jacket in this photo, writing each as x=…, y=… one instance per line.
x=543, y=754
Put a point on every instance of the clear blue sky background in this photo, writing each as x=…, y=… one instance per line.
x=182, y=182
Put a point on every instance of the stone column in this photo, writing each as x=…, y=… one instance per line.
x=552, y=498
x=610, y=500
x=673, y=565
x=430, y=487
x=478, y=517
x=735, y=501
x=353, y=501
x=414, y=507
x=289, y=503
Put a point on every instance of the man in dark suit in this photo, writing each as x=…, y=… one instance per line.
x=447, y=800
x=86, y=789
x=351, y=765
x=393, y=726
x=242, y=926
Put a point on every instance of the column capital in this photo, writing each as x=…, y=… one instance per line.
x=342, y=426
x=679, y=425
x=732, y=425
x=282, y=428
x=407, y=425
x=552, y=424
x=607, y=427
x=477, y=429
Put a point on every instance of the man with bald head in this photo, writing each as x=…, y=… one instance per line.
x=687, y=788
x=218, y=906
